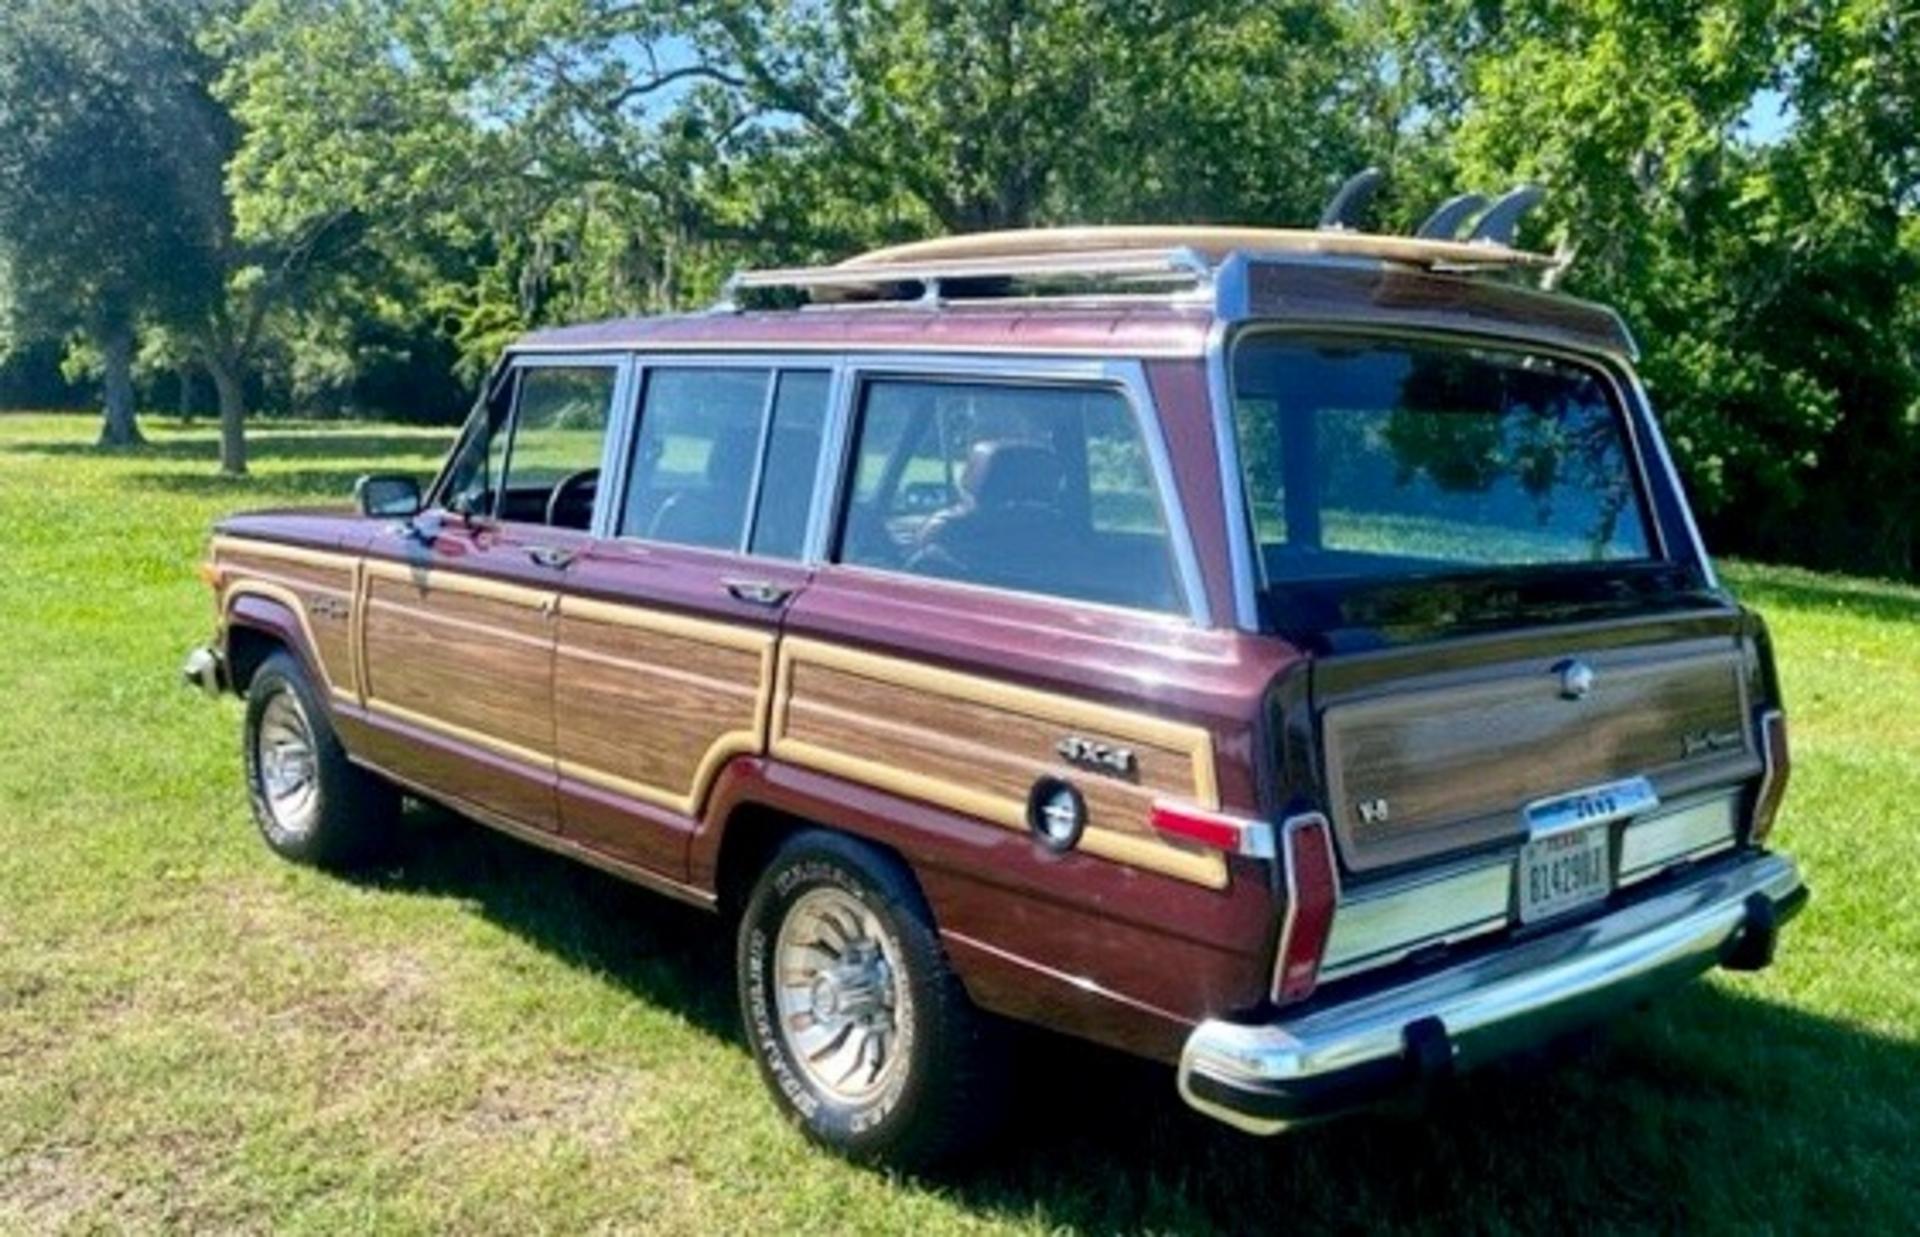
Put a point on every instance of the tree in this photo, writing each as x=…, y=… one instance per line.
x=596, y=156
x=1765, y=278
x=86, y=234
x=114, y=148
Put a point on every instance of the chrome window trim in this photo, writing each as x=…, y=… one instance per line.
x=776, y=365
x=1249, y=572
x=761, y=442
x=508, y=369
x=1235, y=508
x=689, y=349
x=1126, y=377
x=501, y=372
x=835, y=444
x=1644, y=406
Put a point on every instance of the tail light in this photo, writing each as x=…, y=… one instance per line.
x=1313, y=889
x=1237, y=835
x=1773, y=778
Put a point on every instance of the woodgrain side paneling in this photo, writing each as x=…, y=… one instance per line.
x=465, y=656
x=316, y=585
x=1456, y=764
x=650, y=704
x=977, y=745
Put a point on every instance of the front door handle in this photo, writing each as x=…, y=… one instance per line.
x=758, y=592
x=554, y=556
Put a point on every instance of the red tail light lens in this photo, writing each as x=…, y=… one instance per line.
x=1313, y=890
x=1234, y=834
x=1773, y=780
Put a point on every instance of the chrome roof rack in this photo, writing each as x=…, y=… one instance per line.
x=1116, y=271
x=1135, y=262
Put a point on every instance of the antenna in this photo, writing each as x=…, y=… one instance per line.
x=1445, y=222
x=1343, y=209
x=1498, y=225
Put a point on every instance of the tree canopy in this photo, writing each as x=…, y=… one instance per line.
x=374, y=185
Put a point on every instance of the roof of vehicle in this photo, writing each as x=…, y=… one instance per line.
x=1124, y=292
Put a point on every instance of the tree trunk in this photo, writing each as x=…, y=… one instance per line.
x=118, y=428
x=186, y=394
x=233, y=417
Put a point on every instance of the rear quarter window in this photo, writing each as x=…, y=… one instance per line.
x=1039, y=489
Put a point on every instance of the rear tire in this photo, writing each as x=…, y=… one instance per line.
x=312, y=804
x=861, y=1029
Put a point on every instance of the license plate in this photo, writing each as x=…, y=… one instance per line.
x=1564, y=871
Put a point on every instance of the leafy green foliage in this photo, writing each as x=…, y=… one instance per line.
x=405, y=178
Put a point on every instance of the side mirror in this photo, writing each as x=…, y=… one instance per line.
x=387, y=496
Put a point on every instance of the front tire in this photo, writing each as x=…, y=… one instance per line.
x=312, y=804
x=859, y=1025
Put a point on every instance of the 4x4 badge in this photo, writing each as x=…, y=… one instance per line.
x=1097, y=756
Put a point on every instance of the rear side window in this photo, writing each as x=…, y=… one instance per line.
x=792, y=462
x=720, y=451
x=1039, y=489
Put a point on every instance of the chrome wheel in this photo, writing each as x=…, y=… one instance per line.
x=838, y=996
x=289, y=768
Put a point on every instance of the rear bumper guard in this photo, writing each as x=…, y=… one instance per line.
x=1265, y=1077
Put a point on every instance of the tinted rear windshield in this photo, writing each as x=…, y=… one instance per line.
x=1375, y=460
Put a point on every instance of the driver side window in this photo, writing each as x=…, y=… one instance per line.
x=534, y=457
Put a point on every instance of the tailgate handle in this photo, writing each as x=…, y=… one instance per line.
x=758, y=592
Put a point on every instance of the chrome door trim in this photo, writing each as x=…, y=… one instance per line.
x=835, y=445
x=618, y=397
x=761, y=442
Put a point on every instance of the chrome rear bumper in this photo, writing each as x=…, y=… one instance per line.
x=1265, y=1077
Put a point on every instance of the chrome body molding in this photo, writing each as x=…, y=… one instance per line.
x=1700, y=828
x=1265, y=1077
x=1383, y=922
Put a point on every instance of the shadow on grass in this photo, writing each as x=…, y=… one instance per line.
x=262, y=446
x=1868, y=599
x=1714, y=1111
x=330, y=486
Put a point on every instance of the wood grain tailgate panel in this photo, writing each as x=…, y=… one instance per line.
x=1456, y=764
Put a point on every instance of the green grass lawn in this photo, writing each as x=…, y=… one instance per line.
x=195, y=1035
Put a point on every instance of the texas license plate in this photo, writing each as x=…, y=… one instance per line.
x=1564, y=871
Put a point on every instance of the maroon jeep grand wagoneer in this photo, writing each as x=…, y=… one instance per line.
x=1284, y=654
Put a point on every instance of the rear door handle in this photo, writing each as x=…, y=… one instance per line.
x=554, y=556
x=758, y=592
